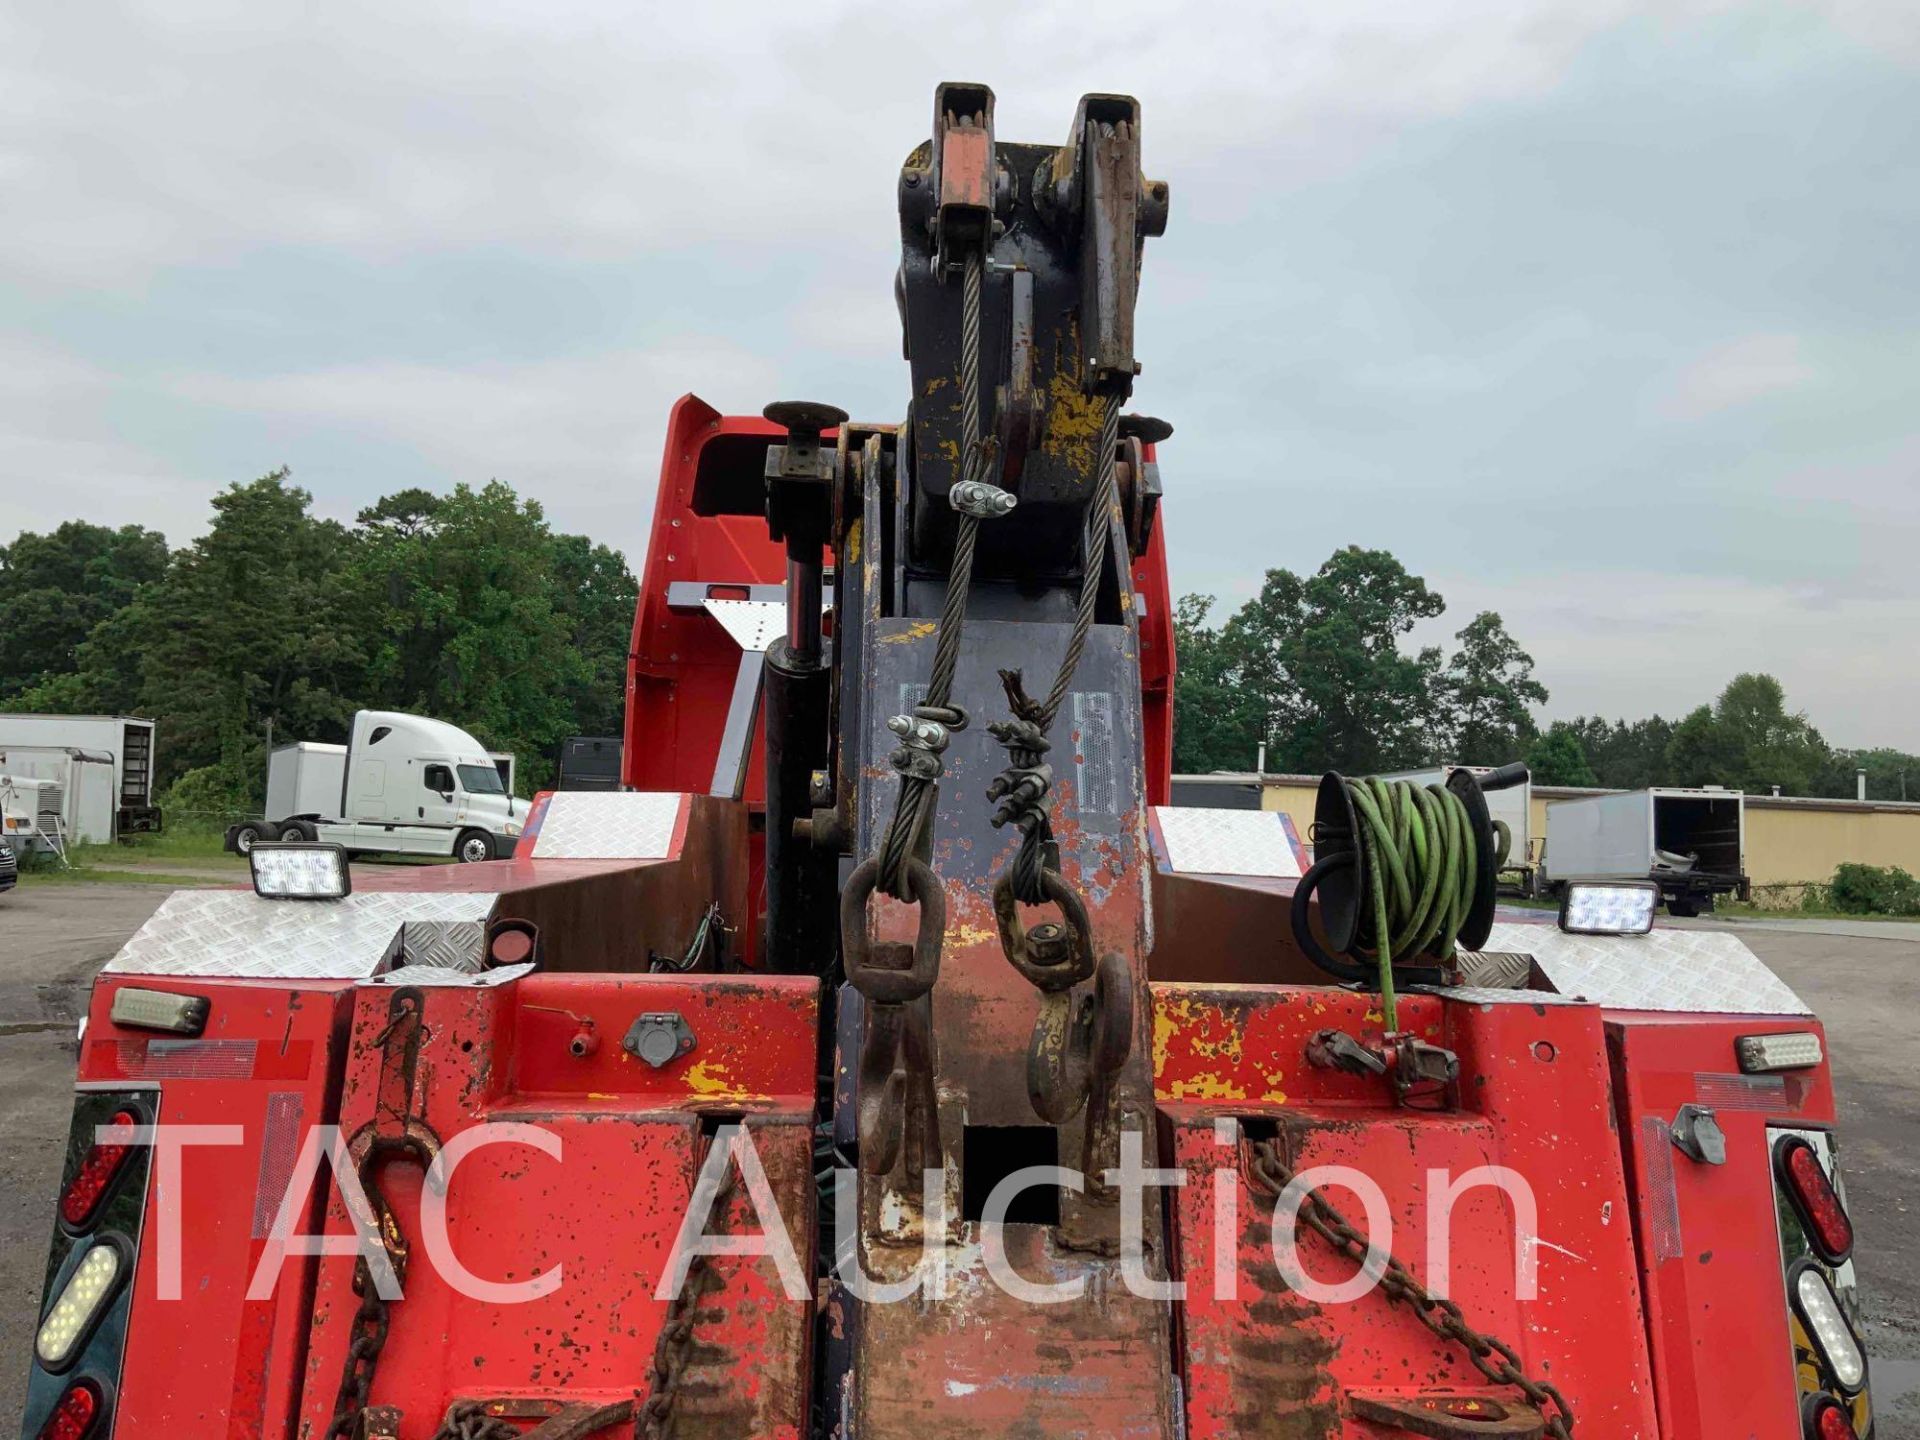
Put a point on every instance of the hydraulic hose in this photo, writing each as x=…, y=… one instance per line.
x=1418, y=859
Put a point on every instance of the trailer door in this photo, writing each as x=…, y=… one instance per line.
x=136, y=765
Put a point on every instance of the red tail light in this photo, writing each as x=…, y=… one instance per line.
x=82, y=1197
x=73, y=1418
x=1829, y=1229
x=1828, y=1420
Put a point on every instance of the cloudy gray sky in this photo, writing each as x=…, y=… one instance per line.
x=1601, y=313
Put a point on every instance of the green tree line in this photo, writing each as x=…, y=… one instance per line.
x=467, y=607
x=1317, y=669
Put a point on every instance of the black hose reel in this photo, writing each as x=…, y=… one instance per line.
x=1339, y=876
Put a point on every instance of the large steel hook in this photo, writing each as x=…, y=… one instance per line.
x=1079, y=1042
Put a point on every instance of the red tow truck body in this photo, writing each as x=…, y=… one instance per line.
x=651, y=1130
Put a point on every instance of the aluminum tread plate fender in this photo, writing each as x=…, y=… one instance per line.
x=1227, y=842
x=229, y=934
x=611, y=825
x=1707, y=972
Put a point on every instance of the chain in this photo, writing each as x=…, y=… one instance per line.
x=1491, y=1356
x=371, y=1323
x=469, y=1420
x=673, y=1350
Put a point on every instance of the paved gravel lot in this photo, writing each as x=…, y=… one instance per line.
x=1863, y=979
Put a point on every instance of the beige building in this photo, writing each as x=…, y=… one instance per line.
x=1790, y=840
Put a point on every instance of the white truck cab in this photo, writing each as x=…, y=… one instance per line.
x=408, y=785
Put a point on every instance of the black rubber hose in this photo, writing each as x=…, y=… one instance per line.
x=1303, y=922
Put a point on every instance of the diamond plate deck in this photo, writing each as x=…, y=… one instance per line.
x=610, y=825
x=226, y=934
x=1705, y=972
x=443, y=978
x=1227, y=842
x=1477, y=995
x=449, y=944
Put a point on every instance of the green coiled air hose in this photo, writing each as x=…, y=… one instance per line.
x=1418, y=859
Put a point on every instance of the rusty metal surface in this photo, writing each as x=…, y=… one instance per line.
x=1534, y=1096
x=1225, y=930
x=617, y=916
x=607, y=1210
x=983, y=1364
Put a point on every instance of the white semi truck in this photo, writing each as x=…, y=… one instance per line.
x=403, y=784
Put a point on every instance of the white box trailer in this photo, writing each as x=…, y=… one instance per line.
x=403, y=784
x=1692, y=843
x=307, y=779
x=507, y=763
x=104, y=764
x=1511, y=807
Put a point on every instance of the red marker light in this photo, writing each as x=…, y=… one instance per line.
x=1829, y=1229
x=80, y=1201
x=1831, y=1422
x=74, y=1416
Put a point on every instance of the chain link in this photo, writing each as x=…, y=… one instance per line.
x=371, y=1323
x=1491, y=1356
x=673, y=1349
x=469, y=1420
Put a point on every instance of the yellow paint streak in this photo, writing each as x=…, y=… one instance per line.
x=1074, y=420
x=709, y=1077
x=950, y=451
x=1204, y=1087
x=919, y=630
x=1197, y=1027
x=853, y=541
x=1163, y=1030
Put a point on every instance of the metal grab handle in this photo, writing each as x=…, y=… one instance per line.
x=1051, y=957
x=868, y=968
